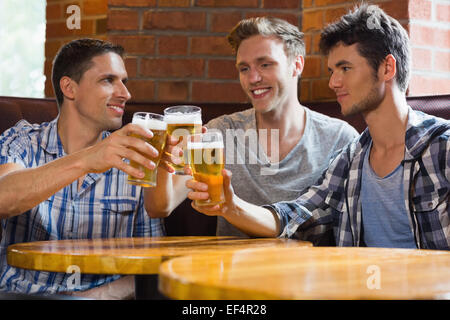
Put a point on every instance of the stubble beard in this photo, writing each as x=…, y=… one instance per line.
x=369, y=103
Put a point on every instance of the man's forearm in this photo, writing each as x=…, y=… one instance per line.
x=169, y=192
x=121, y=289
x=22, y=189
x=254, y=220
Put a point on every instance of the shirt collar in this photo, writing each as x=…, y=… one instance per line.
x=420, y=128
x=50, y=140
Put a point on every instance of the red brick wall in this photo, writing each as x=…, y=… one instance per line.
x=430, y=33
x=177, y=49
x=317, y=14
x=93, y=24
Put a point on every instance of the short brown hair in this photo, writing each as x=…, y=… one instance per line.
x=75, y=58
x=268, y=26
x=376, y=35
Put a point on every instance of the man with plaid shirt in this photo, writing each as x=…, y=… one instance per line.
x=388, y=188
x=66, y=179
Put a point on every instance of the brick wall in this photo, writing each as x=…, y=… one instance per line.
x=317, y=14
x=177, y=49
x=93, y=14
x=430, y=34
x=428, y=24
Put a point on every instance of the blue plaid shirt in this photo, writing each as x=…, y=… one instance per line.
x=105, y=206
x=330, y=212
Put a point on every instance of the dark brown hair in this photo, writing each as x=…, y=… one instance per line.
x=376, y=35
x=75, y=58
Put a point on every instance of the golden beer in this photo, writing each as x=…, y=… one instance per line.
x=207, y=162
x=158, y=127
x=181, y=122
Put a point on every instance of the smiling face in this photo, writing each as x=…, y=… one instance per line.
x=101, y=94
x=267, y=75
x=356, y=84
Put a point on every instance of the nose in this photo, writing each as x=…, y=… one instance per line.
x=335, y=81
x=254, y=76
x=123, y=91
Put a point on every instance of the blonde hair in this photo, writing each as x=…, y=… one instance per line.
x=291, y=36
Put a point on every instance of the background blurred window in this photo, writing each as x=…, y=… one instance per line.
x=22, y=38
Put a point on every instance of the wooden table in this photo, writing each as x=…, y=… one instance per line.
x=137, y=256
x=309, y=273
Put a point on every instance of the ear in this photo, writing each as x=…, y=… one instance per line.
x=68, y=87
x=299, y=62
x=390, y=68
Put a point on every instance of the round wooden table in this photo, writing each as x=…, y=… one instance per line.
x=125, y=255
x=309, y=273
x=137, y=256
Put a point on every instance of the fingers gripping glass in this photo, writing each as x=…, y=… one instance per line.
x=206, y=159
x=155, y=123
x=181, y=122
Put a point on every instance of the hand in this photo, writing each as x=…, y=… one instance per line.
x=111, y=151
x=173, y=154
x=200, y=192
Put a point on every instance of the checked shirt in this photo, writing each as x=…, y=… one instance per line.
x=331, y=209
x=105, y=206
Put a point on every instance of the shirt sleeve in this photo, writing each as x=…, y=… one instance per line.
x=310, y=216
x=349, y=134
x=15, y=145
x=218, y=124
x=445, y=151
x=343, y=137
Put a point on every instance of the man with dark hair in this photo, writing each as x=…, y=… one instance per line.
x=66, y=179
x=390, y=187
x=278, y=147
x=75, y=58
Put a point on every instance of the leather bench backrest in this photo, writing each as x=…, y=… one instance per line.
x=184, y=220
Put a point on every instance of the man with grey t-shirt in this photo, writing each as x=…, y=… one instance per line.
x=256, y=179
x=277, y=148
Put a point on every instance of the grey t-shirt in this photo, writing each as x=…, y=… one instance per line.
x=384, y=214
x=256, y=180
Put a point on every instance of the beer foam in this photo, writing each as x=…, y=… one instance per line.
x=181, y=118
x=151, y=124
x=205, y=145
x=154, y=124
x=140, y=122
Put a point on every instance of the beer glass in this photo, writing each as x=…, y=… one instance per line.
x=206, y=159
x=181, y=122
x=155, y=123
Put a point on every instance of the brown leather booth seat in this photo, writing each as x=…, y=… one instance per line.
x=185, y=220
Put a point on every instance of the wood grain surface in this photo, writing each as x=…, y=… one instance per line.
x=125, y=255
x=309, y=273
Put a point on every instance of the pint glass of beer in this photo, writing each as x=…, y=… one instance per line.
x=155, y=123
x=181, y=122
x=206, y=159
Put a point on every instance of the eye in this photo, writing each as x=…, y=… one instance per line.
x=108, y=80
x=268, y=64
x=345, y=69
x=243, y=69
